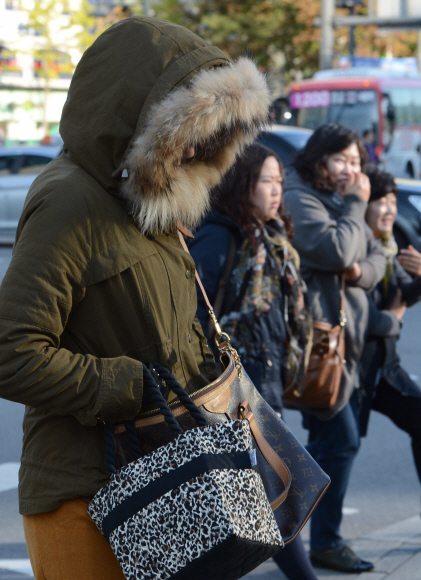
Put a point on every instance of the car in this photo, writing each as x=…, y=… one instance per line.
x=407, y=228
x=19, y=166
x=26, y=160
x=13, y=190
x=285, y=140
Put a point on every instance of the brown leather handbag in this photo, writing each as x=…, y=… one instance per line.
x=324, y=372
x=293, y=481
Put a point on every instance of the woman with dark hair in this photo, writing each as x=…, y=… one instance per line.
x=327, y=194
x=240, y=252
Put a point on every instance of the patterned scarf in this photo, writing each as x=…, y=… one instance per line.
x=263, y=267
x=390, y=248
x=257, y=282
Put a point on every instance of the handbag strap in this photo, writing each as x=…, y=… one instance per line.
x=181, y=393
x=222, y=340
x=157, y=397
x=268, y=453
x=199, y=283
x=342, y=313
x=220, y=293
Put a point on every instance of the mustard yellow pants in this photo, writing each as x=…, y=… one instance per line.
x=66, y=545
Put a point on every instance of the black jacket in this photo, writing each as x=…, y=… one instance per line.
x=380, y=358
x=263, y=355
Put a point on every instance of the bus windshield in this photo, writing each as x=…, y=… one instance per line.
x=358, y=109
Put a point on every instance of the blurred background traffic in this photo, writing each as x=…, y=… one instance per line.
x=354, y=62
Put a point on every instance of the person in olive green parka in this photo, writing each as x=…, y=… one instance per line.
x=98, y=281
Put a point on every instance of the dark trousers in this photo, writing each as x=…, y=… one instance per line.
x=294, y=562
x=334, y=445
x=405, y=412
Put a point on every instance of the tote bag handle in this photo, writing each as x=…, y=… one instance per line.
x=157, y=397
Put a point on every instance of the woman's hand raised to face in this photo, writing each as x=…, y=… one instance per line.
x=411, y=260
x=359, y=185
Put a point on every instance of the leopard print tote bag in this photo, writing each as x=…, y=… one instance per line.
x=193, y=508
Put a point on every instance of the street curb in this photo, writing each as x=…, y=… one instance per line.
x=394, y=549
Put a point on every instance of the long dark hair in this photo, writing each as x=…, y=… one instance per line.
x=326, y=140
x=232, y=197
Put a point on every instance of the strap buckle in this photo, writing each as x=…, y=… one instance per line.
x=218, y=329
x=223, y=342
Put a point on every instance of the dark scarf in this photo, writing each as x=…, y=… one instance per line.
x=257, y=282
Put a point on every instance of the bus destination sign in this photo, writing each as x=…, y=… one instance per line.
x=326, y=98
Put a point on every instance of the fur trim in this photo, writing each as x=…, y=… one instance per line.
x=219, y=113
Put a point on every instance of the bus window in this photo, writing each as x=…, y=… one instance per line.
x=389, y=119
x=357, y=109
x=311, y=118
x=407, y=104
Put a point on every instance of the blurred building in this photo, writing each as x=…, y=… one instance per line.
x=36, y=68
x=27, y=113
x=397, y=8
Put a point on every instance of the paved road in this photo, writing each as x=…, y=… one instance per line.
x=384, y=489
x=5, y=255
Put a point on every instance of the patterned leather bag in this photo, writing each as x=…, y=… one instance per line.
x=194, y=508
x=320, y=387
x=233, y=396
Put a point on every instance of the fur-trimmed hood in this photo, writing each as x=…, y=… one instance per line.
x=142, y=93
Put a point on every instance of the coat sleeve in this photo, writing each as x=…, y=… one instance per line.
x=411, y=287
x=381, y=322
x=209, y=249
x=42, y=286
x=325, y=243
x=373, y=267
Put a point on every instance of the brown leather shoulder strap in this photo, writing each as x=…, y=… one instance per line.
x=268, y=453
x=184, y=231
x=198, y=280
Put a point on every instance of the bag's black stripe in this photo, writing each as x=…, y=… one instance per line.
x=172, y=480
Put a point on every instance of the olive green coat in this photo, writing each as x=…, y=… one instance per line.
x=98, y=280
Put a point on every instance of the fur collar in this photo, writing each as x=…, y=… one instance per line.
x=219, y=112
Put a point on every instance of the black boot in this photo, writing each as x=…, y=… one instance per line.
x=341, y=558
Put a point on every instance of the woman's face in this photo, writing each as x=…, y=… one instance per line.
x=267, y=194
x=381, y=215
x=344, y=166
